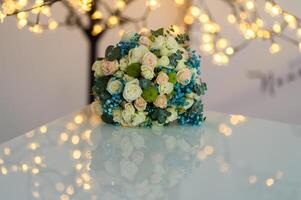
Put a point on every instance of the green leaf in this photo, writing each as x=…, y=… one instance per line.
x=117, y=52
x=150, y=95
x=109, y=53
x=107, y=118
x=133, y=70
x=172, y=77
x=158, y=32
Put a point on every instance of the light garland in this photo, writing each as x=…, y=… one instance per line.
x=245, y=16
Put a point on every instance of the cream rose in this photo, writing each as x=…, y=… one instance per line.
x=123, y=63
x=184, y=76
x=128, y=112
x=158, y=43
x=163, y=61
x=173, y=116
x=143, y=40
x=136, y=54
x=188, y=103
x=140, y=104
x=171, y=43
x=164, y=51
x=138, y=118
x=114, y=86
x=166, y=88
x=161, y=101
x=147, y=72
x=180, y=65
x=162, y=78
x=97, y=68
x=109, y=67
x=117, y=116
x=149, y=59
x=132, y=90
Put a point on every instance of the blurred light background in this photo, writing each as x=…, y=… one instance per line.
x=44, y=76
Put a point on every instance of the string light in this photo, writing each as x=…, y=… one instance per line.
x=153, y=4
x=251, y=25
x=113, y=21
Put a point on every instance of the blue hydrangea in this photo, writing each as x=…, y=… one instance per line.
x=194, y=61
x=125, y=47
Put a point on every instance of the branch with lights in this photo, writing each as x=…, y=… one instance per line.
x=245, y=15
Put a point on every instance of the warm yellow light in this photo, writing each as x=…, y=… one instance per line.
x=120, y=4
x=8, y=7
x=95, y=31
x=43, y=129
x=78, y=119
x=7, y=151
x=231, y=19
x=46, y=11
x=220, y=58
x=259, y=22
x=211, y=28
x=207, y=37
x=52, y=24
x=86, y=135
x=188, y=19
x=207, y=47
x=87, y=186
x=153, y=4
x=299, y=32
x=268, y=6
x=97, y=15
x=76, y=154
x=64, y=136
x=229, y=51
x=64, y=197
x=269, y=182
x=179, y=2
x=70, y=190
x=24, y=167
x=4, y=170
x=2, y=17
x=222, y=43
x=194, y=11
x=250, y=5
x=249, y=34
x=35, y=171
x=22, y=23
x=113, y=20
x=277, y=27
x=266, y=34
x=75, y=139
x=38, y=160
x=275, y=48
x=252, y=179
x=225, y=130
x=204, y=18
x=209, y=150
x=243, y=15
x=33, y=146
x=276, y=10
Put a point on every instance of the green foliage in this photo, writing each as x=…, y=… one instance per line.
x=107, y=118
x=159, y=115
x=144, y=83
x=134, y=70
x=112, y=53
x=100, y=85
x=172, y=77
x=158, y=32
x=182, y=38
x=150, y=94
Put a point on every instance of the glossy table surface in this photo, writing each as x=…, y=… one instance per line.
x=78, y=157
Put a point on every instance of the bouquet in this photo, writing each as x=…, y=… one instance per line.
x=151, y=78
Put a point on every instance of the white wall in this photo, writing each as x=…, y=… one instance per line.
x=43, y=77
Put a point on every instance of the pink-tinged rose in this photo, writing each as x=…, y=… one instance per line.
x=162, y=78
x=161, y=101
x=143, y=40
x=109, y=67
x=145, y=32
x=149, y=59
x=140, y=104
x=184, y=76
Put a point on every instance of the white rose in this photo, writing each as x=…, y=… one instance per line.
x=97, y=68
x=132, y=90
x=136, y=54
x=188, y=103
x=114, y=86
x=158, y=43
x=171, y=43
x=149, y=59
x=123, y=63
x=127, y=37
x=138, y=118
x=180, y=65
x=147, y=72
x=143, y=40
x=165, y=51
x=128, y=112
x=117, y=115
x=173, y=116
x=166, y=88
x=163, y=61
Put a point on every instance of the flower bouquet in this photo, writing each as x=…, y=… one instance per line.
x=151, y=78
